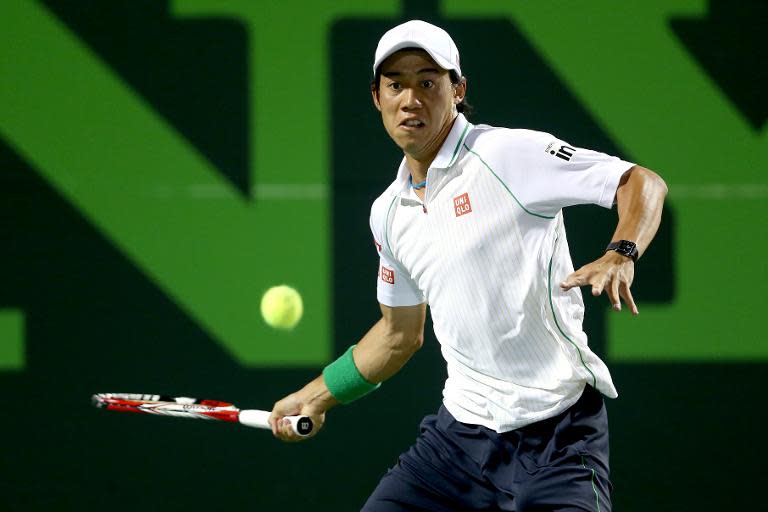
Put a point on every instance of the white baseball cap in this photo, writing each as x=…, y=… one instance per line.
x=419, y=34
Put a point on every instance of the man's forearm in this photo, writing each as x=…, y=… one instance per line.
x=378, y=355
x=640, y=199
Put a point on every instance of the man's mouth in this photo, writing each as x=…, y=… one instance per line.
x=412, y=123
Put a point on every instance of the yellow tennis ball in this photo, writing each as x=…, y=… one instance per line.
x=282, y=307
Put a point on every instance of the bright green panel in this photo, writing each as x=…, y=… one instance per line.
x=11, y=339
x=720, y=301
x=138, y=181
x=627, y=67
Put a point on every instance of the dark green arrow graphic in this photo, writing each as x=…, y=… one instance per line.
x=730, y=44
x=138, y=181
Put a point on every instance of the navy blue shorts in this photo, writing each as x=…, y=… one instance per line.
x=558, y=464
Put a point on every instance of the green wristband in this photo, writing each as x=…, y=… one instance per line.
x=344, y=380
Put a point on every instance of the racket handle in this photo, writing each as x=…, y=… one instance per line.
x=302, y=425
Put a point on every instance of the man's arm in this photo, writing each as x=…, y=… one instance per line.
x=640, y=199
x=384, y=349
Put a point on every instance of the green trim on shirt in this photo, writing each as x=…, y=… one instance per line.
x=526, y=210
x=552, y=306
x=458, y=144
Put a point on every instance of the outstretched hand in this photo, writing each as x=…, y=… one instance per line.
x=612, y=273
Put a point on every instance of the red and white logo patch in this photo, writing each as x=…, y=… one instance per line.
x=387, y=275
x=461, y=205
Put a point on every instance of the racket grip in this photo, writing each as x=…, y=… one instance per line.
x=302, y=425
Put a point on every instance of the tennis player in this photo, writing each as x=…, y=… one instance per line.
x=473, y=227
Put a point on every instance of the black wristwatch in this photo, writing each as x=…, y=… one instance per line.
x=625, y=248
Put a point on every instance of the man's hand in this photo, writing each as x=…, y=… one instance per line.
x=312, y=400
x=613, y=273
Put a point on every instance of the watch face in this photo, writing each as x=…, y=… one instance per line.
x=627, y=247
x=624, y=247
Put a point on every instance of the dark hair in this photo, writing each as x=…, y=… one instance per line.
x=463, y=107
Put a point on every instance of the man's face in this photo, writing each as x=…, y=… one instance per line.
x=417, y=101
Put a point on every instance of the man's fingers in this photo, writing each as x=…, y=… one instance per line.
x=288, y=428
x=573, y=281
x=285, y=431
x=288, y=406
x=583, y=279
x=276, y=416
x=598, y=285
x=613, y=293
x=603, y=278
x=628, y=299
x=272, y=420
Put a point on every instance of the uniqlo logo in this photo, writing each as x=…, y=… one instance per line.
x=461, y=205
x=387, y=275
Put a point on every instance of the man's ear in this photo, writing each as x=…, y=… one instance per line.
x=460, y=91
x=375, y=97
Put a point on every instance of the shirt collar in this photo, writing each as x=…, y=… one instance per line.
x=452, y=144
x=447, y=154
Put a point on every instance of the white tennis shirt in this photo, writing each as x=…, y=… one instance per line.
x=487, y=251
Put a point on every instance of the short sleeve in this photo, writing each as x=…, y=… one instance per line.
x=394, y=285
x=550, y=174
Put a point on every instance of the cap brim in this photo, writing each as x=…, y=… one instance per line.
x=402, y=45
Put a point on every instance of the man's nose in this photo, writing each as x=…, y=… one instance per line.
x=411, y=99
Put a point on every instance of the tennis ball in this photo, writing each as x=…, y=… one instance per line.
x=282, y=307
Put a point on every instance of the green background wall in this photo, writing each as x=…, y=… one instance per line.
x=163, y=162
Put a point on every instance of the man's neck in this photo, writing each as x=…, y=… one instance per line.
x=419, y=165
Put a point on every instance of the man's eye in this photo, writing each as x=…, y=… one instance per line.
x=395, y=86
x=427, y=84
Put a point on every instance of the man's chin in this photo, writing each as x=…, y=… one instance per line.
x=409, y=145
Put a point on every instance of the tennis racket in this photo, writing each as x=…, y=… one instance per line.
x=185, y=407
